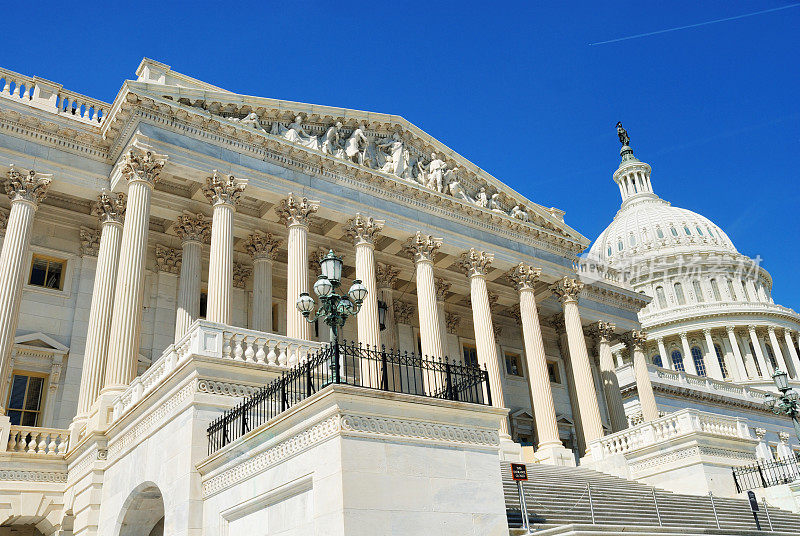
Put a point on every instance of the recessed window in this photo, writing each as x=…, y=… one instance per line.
x=620, y=245
x=723, y=367
x=771, y=356
x=731, y=291
x=610, y=252
x=514, y=364
x=659, y=233
x=709, y=232
x=553, y=372
x=699, y=363
x=673, y=231
x=715, y=290
x=632, y=240
x=25, y=398
x=755, y=360
x=745, y=291
x=677, y=360
x=47, y=272
x=204, y=304
x=656, y=359
x=470, y=355
x=679, y=294
x=686, y=230
x=699, y=231
x=698, y=291
x=275, y=309
x=662, y=299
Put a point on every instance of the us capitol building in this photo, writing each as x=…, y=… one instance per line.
x=157, y=375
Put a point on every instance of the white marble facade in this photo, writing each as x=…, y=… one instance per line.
x=154, y=248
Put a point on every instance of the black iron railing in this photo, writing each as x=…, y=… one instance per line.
x=352, y=364
x=764, y=474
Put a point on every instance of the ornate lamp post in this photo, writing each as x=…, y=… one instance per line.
x=787, y=402
x=336, y=308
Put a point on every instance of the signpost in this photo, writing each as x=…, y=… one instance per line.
x=754, y=507
x=519, y=473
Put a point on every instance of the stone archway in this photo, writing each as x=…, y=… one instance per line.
x=142, y=513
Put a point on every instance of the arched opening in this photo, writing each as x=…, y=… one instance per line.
x=142, y=513
x=699, y=363
x=657, y=360
x=677, y=361
x=722, y=365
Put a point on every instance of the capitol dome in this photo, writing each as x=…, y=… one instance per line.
x=711, y=311
x=646, y=225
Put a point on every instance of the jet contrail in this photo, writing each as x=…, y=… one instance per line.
x=694, y=25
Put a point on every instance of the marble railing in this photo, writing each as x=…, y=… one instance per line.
x=41, y=441
x=674, y=425
x=626, y=376
x=52, y=97
x=216, y=341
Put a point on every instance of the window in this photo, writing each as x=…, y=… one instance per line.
x=514, y=364
x=699, y=231
x=204, y=304
x=709, y=232
x=470, y=355
x=657, y=360
x=771, y=356
x=686, y=230
x=610, y=251
x=699, y=363
x=645, y=235
x=659, y=232
x=745, y=292
x=620, y=245
x=731, y=291
x=673, y=231
x=47, y=272
x=722, y=366
x=553, y=372
x=677, y=361
x=679, y=294
x=25, y=398
x=632, y=240
x=662, y=299
x=715, y=290
x=698, y=291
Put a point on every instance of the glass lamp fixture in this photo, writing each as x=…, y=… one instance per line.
x=331, y=267
x=781, y=380
x=357, y=292
x=323, y=287
x=382, y=309
x=305, y=304
x=344, y=307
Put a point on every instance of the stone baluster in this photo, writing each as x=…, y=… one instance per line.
x=568, y=289
x=422, y=249
x=295, y=212
x=263, y=248
x=475, y=265
x=110, y=210
x=713, y=367
x=608, y=374
x=386, y=275
x=193, y=230
x=524, y=278
x=26, y=189
x=363, y=230
x=223, y=191
x=635, y=340
x=141, y=168
x=787, y=335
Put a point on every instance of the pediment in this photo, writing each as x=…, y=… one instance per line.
x=40, y=341
x=383, y=145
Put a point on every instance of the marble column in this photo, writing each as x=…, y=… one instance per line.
x=422, y=249
x=295, y=212
x=363, y=230
x=141, y=168
x=766, y=370
x=688, y=361
x=442, y=288
x=193, y=230
x=26, y=189
x=567, y=290
x=110, y=210
x=386, y=276
x=635, y=340
x=737, y=352
x=223, y=191
x=476, y=266
x=712, y=360
x=524, y=278
x=787, y=335
x=666, y=359
x=608, y=374
x=776, y=349
x=263, y=248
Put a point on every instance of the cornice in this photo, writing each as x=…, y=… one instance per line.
x=684, y=392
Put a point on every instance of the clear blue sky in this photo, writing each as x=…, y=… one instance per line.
x=515, y=87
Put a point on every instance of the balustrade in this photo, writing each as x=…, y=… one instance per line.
x=41, y=441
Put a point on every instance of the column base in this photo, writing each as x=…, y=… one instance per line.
x=555, y=455
x=5, y=430
x=509, y=450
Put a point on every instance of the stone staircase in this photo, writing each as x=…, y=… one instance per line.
x=557, y=496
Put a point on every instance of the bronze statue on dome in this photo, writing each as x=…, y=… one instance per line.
x=624, y=139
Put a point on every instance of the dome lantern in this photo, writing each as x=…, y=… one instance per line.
x=633, y=175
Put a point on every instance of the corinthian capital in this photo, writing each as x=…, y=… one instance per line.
x=635, y=339
x=403, y=312
x=139, y=164
x=603, y=330
x=524, y=276
x=442, y=288
x=90, y=242
x=363, y=229
x=168, y=259
x=193, y=228
x=474, y=262
x=109, y=207
x=422, y=247
x=27, y=185
x=262, y=245
x=567, y=289
x=223, y=189
x=386, y=275
x=295, y=210
x=240, y=274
